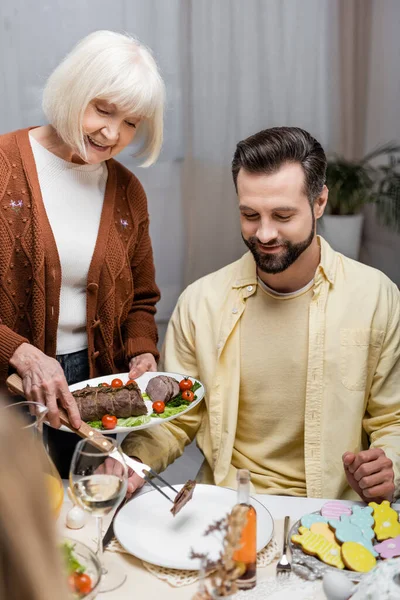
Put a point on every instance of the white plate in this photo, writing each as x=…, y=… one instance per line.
x=146, y=528
x=142, y=382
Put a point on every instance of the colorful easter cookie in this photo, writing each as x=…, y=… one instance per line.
x=362, y=517
x=357, y=558
x=386, y=520
x=389, y=548
x=347, y=532
x=317, y=545
x=324, y=530
x=308, y=520
x=335, y=509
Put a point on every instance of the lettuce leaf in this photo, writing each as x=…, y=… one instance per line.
x=172, y=410
x=72, y=563
x=133, y=421
x=128, y=422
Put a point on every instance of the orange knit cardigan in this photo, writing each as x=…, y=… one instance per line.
x=121, y=288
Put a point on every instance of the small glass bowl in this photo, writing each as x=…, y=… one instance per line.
x=89, y=560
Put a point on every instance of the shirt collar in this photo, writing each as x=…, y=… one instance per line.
x=246, y=273
x=328, y=262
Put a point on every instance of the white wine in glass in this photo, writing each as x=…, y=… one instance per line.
x=98, y=483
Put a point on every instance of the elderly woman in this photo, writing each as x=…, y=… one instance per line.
x=77, y=287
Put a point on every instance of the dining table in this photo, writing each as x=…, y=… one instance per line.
x=143, y=585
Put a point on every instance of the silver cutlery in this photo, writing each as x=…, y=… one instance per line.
x=284, y=567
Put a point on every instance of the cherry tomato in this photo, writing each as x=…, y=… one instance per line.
x=130, y=381
x=116, y=383
x=103, y=385
x=83, y=583
x=109, y=421
x=158, y=407
x=188, y=395
x=185, y=384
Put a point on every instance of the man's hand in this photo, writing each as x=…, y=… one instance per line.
x=44, y=381
x=134, y=482
x=111, y=466
x=370, y=474
x=140, y=364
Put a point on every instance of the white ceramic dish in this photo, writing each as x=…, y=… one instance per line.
x=142, y=382
x=146, y=528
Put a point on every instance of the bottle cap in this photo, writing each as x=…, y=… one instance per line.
x=243, y=475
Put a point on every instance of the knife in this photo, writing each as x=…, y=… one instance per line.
x=109, y=535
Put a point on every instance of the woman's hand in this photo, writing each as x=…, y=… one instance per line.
x=44, y=381
x=140, y=364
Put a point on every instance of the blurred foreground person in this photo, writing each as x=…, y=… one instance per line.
x=30, y=566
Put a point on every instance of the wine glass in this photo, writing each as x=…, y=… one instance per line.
x=98, y=483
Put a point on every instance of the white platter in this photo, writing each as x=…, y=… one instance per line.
x=146, y=528
x=142, y=382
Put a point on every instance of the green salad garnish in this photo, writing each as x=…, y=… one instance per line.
x=73, y=565
x=128, y=422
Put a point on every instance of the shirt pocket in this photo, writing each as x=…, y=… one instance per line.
x=359, y=353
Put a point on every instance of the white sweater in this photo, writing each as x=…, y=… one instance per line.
x=73, y=197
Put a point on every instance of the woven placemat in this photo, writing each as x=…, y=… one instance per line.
x=179, y=578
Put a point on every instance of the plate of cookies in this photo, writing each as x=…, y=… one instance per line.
x=349, y=538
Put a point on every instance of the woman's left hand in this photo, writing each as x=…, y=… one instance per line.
x=140, y=364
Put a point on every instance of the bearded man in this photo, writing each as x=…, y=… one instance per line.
x=298, y=346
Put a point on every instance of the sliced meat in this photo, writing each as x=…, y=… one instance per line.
x=183, y=496
x=168, y=381
x=162, y=387
x=175, y=388
x=158, y=389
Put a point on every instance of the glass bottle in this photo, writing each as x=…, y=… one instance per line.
x=247, y=553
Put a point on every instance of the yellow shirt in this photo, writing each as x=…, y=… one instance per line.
x=269, y=438
x=353, y=371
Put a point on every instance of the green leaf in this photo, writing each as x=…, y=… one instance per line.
x=72, y=563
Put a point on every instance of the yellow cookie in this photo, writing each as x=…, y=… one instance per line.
x=386, y=521
x=357, y=558
x=324, y=530
x=317, y=545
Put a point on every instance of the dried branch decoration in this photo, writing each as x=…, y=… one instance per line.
x=224, y=571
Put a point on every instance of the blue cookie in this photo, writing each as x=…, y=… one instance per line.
x=362, y=517
x=308, y=520
x=345, y=531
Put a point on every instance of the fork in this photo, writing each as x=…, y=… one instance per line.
x=284, y=568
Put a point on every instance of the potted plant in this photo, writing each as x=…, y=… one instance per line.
x=352, y=185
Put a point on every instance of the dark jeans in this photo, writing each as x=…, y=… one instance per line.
x=61, y=444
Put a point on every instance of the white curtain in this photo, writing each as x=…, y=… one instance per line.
x=232, y=67
x=254, y=64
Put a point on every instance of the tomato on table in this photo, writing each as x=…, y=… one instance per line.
x=188, y=395
x=158, y=407
x=116, y=383
x=83, y=583
x=185, y=384
x=109, y=421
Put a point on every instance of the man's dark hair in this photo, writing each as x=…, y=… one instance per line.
x=268, y=150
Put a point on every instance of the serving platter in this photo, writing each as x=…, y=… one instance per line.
x=142, y=382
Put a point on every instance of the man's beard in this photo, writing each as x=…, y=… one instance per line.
x=276, y=263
